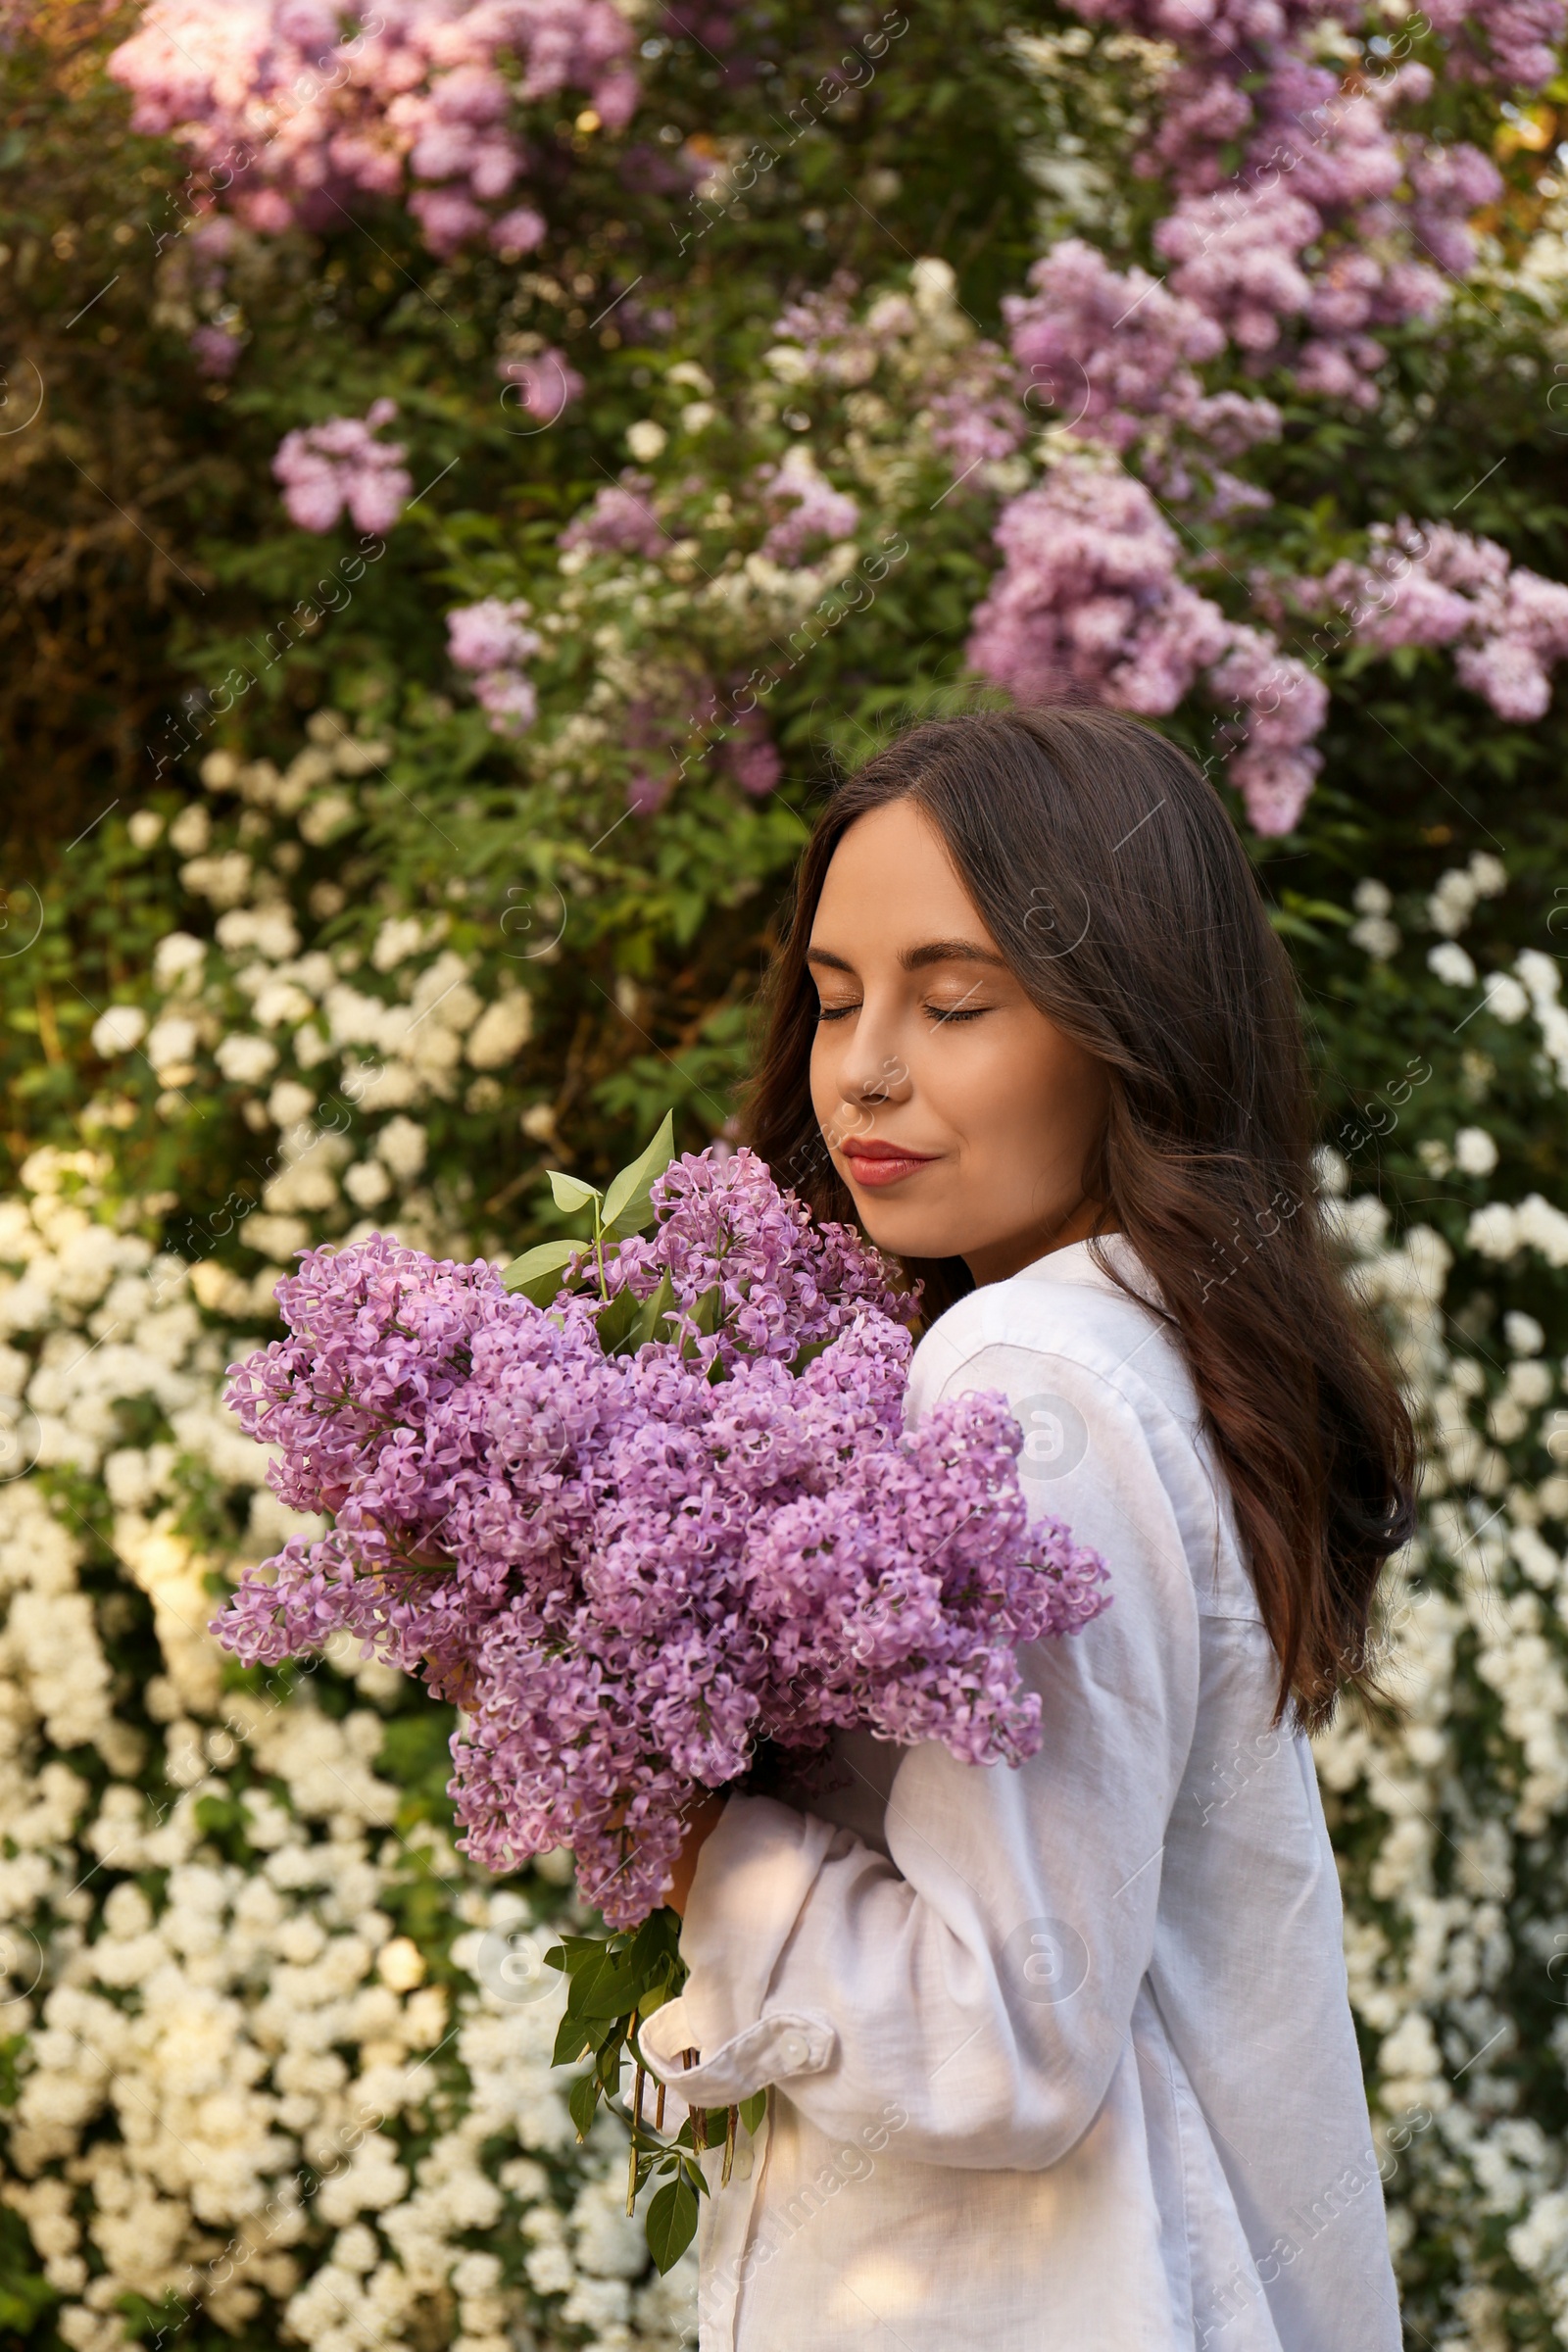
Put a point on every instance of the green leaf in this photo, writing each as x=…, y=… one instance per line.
x=618, y=1322
x=534, y=1272
x=578, y=1950
x=627, y=1203
x=607, y=1968
x=671, y=2224
x=754, y=2109
x=611, y=1991
x=808, y=1354
x=651, y=1324
x=704, y=1312
x=572, y=2041
x=582, y=2102
x=570, y=1192
x=658, y=1939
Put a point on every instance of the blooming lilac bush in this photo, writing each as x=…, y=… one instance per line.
x=1089, y=595
x=1327, y=228
x=489, y=640
x=641, y=1529
x=405, y=957
x=325, y=468
x=1434, y=585
x=302, y=106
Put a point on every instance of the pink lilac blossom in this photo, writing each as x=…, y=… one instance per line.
x=1518, y=43
x=302, y=107
x=621, y=519
x=806, y=507
x=1281, y=706
x=751, y=756
x=1432, y=585
x=1335, y=222
x=1089, y=596
x=327, y=467
x=217, y=349
x=489, y=639
x=650, y=1561
x=1116, y=354
x=1089, y=599
x=542, y=387
x=979, y=415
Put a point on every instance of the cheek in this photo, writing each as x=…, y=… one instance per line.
x=825, y=1075
x=1019, y=1109
x=833, y=1054
x=981, y=1079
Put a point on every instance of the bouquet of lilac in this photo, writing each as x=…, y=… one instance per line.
x=639, y=1530
x=637, y=1506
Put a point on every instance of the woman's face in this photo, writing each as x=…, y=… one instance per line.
x=961, y=1118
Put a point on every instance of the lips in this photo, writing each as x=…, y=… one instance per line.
x=877, y=1164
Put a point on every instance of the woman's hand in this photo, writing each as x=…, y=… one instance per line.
x=701, y=1823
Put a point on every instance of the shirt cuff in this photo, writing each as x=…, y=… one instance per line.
x=789, y=2041
x=754, y=1872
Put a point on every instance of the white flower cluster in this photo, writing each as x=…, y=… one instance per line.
x=675, y=583
x=269, y=2065
x=244, y=2089
x=329, y=1053
x=1464, y=1891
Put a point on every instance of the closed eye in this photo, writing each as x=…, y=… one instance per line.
x=944, y=1013
x=835, y=1012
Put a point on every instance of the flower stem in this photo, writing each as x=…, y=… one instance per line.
x=638, y=2080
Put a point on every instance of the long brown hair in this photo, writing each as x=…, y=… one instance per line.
x=1115, y=885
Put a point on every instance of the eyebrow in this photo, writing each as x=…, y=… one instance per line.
x=915, y=959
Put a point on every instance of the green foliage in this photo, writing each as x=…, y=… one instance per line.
x=161, y=609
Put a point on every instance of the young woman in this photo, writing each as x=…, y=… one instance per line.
x=1062, y=2057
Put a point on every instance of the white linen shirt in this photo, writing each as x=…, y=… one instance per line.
x=1063, y=2053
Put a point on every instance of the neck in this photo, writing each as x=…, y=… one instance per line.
x=1000, y=1259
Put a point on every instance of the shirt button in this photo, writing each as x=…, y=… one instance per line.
x=792, y=2050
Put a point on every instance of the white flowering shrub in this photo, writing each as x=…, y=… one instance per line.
x=1449, y=1819
x=272, y=2060
x=276, y=2060
x=884, y=343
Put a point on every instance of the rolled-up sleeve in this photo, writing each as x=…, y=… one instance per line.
x=981, y=1973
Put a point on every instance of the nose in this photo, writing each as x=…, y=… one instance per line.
x=873, y=1074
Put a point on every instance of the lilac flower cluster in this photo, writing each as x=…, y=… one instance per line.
x=300, y=115
x=490, y=640
x=749, y=756
x=1516, y=44
x=646, y=1562
x=327, y=468
x=619, y=519
x=1330, y=223
x=1089, y=596
x=806, y=506
x=1439, y=586
x=980, y=413
x=542, y=387
x=1116, y=354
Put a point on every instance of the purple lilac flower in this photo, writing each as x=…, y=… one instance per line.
x=628, y=1569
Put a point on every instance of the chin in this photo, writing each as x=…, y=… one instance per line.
x=908, y=1235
